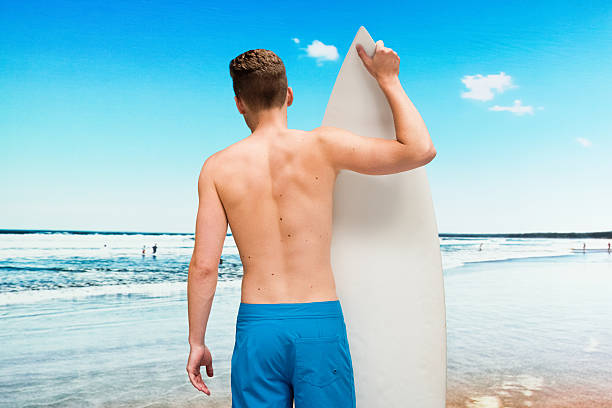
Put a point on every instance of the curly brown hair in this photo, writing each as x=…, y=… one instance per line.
x=260, y=79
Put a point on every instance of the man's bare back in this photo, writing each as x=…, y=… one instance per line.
x=276, y=187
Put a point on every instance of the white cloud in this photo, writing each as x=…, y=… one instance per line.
x=482, y=87
x=584, y=142
x=296, y=40
x=518, y=108
x=322, y=52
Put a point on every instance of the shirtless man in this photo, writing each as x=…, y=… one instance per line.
x=275, y=190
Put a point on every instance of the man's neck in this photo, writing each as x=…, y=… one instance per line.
x=269, y=120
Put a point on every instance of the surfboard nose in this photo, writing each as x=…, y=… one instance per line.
x=362, y=30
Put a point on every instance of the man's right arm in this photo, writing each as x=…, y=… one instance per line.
x=412, y=147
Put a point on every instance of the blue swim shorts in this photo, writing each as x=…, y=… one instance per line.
x=292, y=351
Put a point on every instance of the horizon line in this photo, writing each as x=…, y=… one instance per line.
x=592, y=234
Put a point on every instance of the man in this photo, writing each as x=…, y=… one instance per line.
x=275, y=189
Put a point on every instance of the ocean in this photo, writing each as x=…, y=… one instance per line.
x=88, y=320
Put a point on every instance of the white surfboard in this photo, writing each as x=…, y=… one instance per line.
x=386, y=259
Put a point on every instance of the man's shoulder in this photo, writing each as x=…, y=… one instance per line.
x=314, y=135
x=211, y=162
x=211, y=165
x=328, y=132
x=315, y=131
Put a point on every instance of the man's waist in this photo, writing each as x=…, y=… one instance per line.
x=328, y=308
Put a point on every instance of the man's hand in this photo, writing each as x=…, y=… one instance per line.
x=199, y=356
x=384, y=65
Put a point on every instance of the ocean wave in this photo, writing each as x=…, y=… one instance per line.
x=147, y=289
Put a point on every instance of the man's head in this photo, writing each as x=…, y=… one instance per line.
x=260, y=81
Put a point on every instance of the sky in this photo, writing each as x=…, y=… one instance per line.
x=109, y=109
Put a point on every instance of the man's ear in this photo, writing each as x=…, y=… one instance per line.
x=239, y=105
x=289, y=96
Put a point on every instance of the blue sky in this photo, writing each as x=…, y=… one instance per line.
x=109, y=109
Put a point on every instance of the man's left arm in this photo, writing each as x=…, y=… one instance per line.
x=210, y=231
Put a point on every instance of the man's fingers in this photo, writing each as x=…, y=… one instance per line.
x=202, y=387
x=205, y=389
x=196, y=380
x=363, y=55
x=193, y=378
x=209, y=370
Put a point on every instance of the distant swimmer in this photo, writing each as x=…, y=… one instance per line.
x=480, y=248
x=143, y=249
x=155, y=248
x=608, y=247
x=584, y=246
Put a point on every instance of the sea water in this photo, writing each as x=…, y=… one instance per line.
x=87, y=319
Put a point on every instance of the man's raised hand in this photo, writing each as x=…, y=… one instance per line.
x=383, y=65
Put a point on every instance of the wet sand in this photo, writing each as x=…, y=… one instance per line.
x=528, y=391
